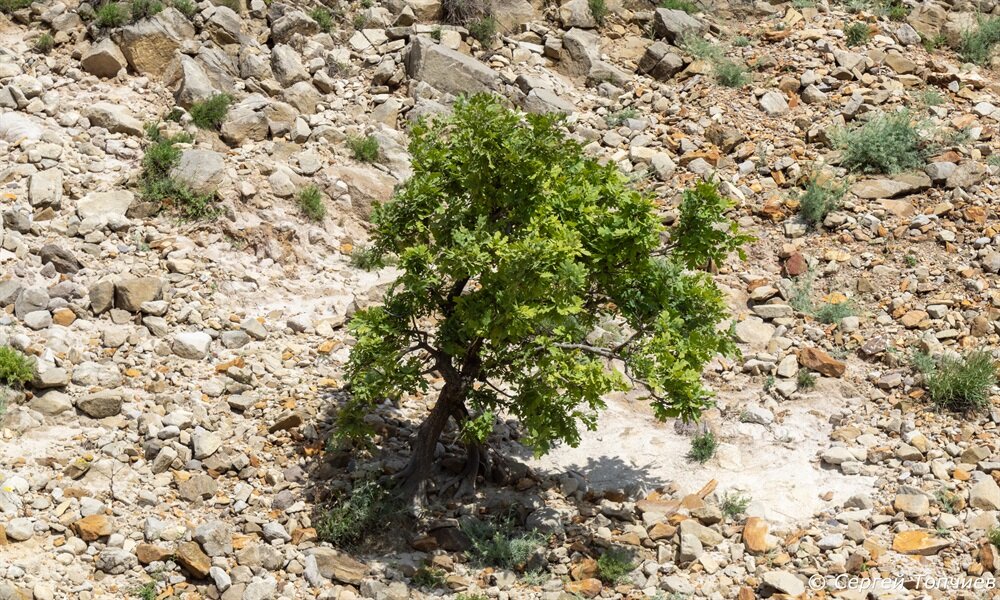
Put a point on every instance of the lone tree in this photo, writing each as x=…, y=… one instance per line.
x=534, y=281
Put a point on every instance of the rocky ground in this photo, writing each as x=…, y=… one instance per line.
x=173, y=443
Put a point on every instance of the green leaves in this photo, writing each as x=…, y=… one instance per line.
x=514, y=248
x=704, y=234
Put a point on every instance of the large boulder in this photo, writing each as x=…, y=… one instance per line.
x=245, y=121
x=114, y=118
x=291, y=23
x=448, y=70
x=581, y=56
x=224, y=25
x=202, y=171
x=660, y=61
x=193, y=83
x=103, y=59
x=150, y=45
x=287, y=66
x=674, y=25
x=105, y=204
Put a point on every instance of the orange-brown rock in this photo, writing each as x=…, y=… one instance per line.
x=93, y=527
x=588, y=588
x=821, y=362
x=755, y=536
x=149, y=553
x=919, y=542
x=190, y=556
x=585, y=569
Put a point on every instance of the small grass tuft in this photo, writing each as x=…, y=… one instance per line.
x=146, y=592
x=494, y=543
x=685, y=5
x=818, y=199
x=731, y=73
x=857, y=33
x=359, y=21
x=9, y=6
x=45, y=43
x=734, y=504
x=356, y=514
x=599, y=10
x=887, y=143
x=323, y=18
x=741, y=41
x=703, y=447
x=430, y=578
x=210, y=113
x=834, y=313
x=699, y=47
x=805, y=380
x=16, y=368
x=619, y=117
x=959, y=383
x=111, y=15
x=311, y=203
x=994, y=536
x=976, y=45
x=143, y=9
x=186, y=7
x=364, y=148
x=614, y=566
x=484, y=29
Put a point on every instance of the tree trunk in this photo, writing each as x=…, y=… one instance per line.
x=422, y=450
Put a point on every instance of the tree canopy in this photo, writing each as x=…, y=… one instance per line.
x=534, y=281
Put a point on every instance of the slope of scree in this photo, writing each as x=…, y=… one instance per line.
x=183, y=185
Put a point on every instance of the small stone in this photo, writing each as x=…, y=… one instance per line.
x=93, y=527
x=821, y=362
x=190, y=556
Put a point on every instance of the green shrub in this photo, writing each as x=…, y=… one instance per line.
x=210, y=113
x=931, y=44
x=322, y=17
x=699, y=47
x=160, y=157
x=483, y=29
x=45, y=43
x=354, y=515
x=143, y=9
x=834, y=313
x=186, y=7
x=805, y=380
x=359, y=21
x=311, y=203
x=16, y=368
x=685, y=5
x=734, y=505
x=429, y=578
x=977, y=44
x=895, y=10
x=463, y=12
x=471, y=597
x=887, y=143
x=818, y=199
x=146, y=592
x=494, y=543
x=9, y=6
x=233, y=5
x=619, y=117
x=994, y=536
x=614, y=566
x=111, y=15
x=731, y=73
x=931, y=97
x=598, y=9
x=364, y=148
x=960, y=383
x=857, y=33
x=741, y=41
x=703, y=447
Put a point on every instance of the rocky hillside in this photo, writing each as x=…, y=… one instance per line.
x=183, y=186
